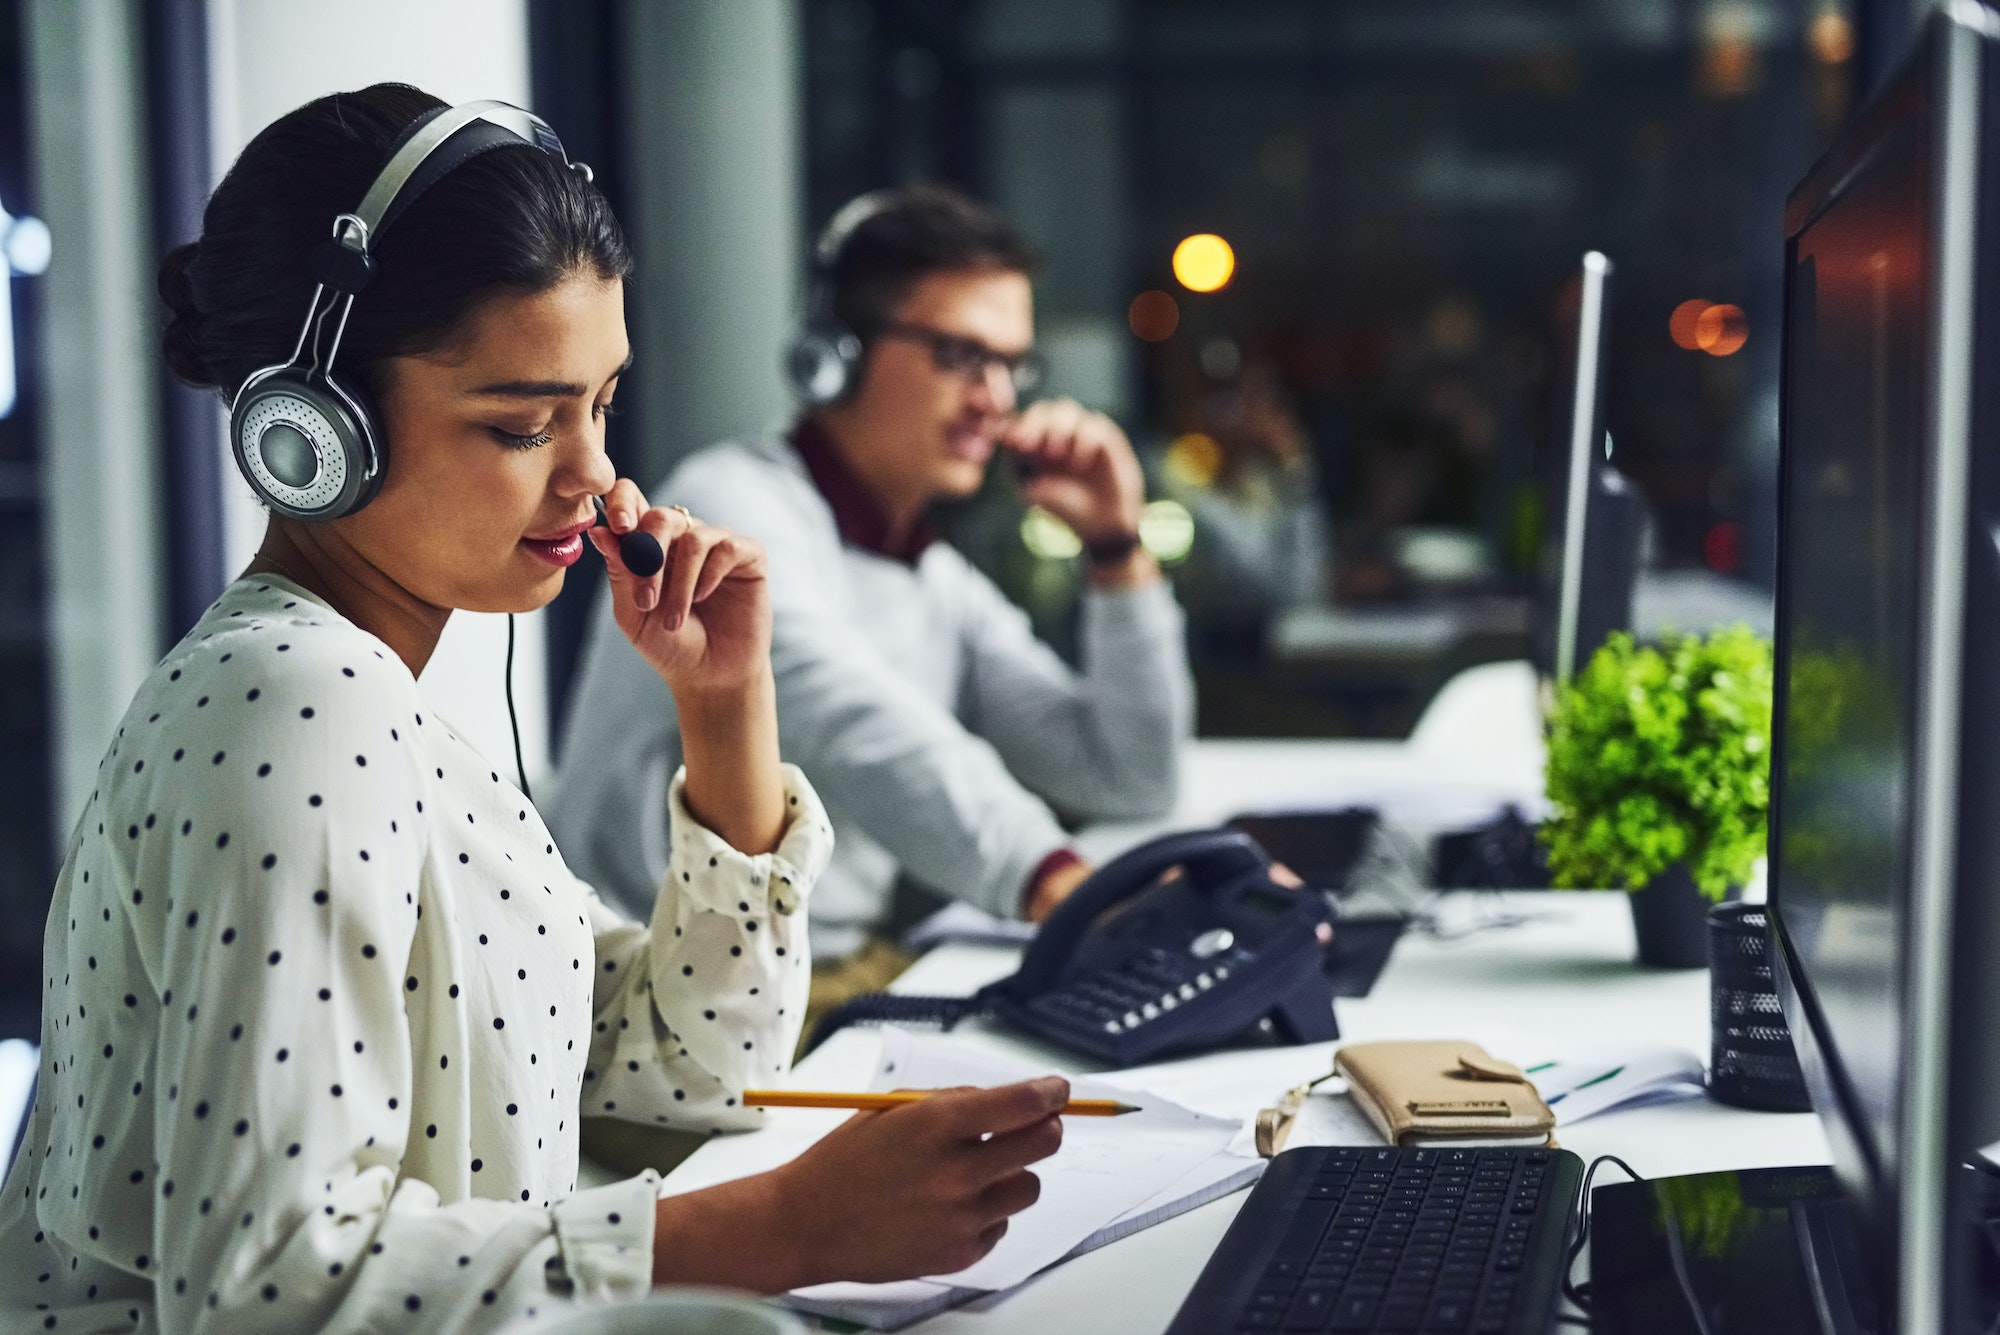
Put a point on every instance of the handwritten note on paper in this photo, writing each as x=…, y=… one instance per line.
x=1106, y=1166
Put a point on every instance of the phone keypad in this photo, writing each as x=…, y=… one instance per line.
x=1141, y=989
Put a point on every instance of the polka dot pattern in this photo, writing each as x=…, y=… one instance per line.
x=322, y=1003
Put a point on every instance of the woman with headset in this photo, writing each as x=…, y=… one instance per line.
x=322, y=1005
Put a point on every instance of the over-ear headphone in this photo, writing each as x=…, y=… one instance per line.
x=306, y=440
x=824, y=360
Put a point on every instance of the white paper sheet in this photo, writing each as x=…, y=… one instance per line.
x=1584, y=1084
x=1106, y=1167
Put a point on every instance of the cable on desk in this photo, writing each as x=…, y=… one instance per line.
x=1580, y=1295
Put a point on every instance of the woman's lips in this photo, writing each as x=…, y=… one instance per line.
x=560, y=549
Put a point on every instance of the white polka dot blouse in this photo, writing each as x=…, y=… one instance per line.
x=323, y=1005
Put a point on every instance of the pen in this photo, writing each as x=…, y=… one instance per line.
x=803, y=1098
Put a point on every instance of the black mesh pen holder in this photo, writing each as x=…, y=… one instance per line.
x=1751, y=1062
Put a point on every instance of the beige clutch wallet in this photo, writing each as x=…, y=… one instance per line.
x=1428, y=1093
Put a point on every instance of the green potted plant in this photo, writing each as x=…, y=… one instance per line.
x=1659, y=765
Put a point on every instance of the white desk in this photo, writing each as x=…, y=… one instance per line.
x=1568, y=972
x=1478, y=748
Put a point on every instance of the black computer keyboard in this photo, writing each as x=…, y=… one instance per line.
x=1335, y=1238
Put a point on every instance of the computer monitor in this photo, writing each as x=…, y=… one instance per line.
x=1591, y=563
x=1885, y=812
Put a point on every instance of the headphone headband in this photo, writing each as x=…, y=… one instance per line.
x=848, y=219
x=387, y=192
x=434, y=146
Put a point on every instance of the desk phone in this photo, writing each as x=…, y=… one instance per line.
x=1181, y=945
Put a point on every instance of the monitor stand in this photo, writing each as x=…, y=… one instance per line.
x=1768, y=1251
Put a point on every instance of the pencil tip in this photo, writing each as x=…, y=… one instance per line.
x=1124, y=1108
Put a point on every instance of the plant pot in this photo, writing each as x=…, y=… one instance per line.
x=1670, y=918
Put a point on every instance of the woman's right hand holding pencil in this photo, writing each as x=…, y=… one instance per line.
x=923, y=1189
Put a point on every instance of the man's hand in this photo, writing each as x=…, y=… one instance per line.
x=1079, y=467
x=1055, y=885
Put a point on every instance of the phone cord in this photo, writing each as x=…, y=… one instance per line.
x=892, y=1008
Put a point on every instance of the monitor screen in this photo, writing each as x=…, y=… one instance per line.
x=1850, y=537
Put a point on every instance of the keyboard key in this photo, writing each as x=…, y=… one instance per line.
x=1399, y=1316
x=1310, y=1309
x=1354, y=1314
x=1445, y=1315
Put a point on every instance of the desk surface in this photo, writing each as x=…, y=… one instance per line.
x=1566, y=970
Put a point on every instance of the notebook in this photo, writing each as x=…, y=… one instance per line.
x=1112, y=1178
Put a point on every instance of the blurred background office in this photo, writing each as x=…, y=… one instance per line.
x=1316, y=255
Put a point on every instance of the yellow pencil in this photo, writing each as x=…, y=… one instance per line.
x=805, y=1098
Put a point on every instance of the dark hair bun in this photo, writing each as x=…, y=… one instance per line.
x=180, y=340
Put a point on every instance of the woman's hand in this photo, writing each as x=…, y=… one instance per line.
x=924, y=1189
x=704, y=620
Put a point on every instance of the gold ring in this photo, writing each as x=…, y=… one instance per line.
x=684, y=513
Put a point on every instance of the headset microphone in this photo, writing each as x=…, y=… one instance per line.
x=638, y=551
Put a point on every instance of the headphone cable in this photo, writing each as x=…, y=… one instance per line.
x=513, y=719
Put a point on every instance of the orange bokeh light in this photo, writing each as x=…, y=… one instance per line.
x=1681, y=324
x=1831, y=37
x=1153, y=316
x=1721, y=330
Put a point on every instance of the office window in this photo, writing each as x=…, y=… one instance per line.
x=1362, y=416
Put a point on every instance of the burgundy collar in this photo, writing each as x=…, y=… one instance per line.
x=856, y=512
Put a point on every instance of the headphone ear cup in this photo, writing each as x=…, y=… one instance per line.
x=308, y=446
x=823, y=363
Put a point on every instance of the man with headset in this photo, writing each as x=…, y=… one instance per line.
x=943, y=735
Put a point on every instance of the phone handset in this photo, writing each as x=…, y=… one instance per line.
x=1205, y=856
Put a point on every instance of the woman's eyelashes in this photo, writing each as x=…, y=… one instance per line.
x=514, y=442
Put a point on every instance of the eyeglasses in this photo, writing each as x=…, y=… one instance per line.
x=968, y=357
